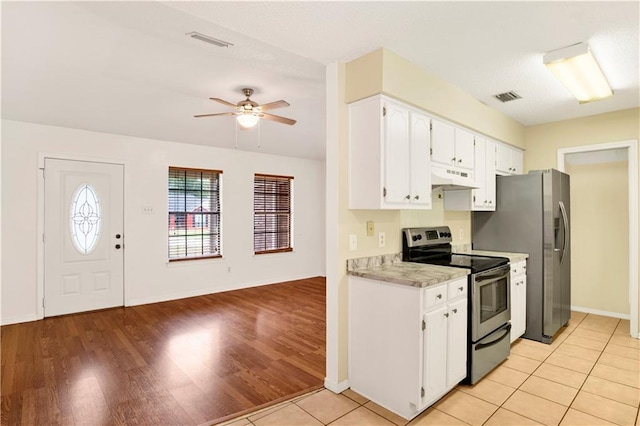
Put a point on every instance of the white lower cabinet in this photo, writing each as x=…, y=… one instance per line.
x=518, y=299
x=407, y=345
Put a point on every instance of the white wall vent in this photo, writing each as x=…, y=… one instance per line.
x=507, y=96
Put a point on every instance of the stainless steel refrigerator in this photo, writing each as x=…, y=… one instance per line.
x=532, y=216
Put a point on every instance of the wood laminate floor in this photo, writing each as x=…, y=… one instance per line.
x=188, y=361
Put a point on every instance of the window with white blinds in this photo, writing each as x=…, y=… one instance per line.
x=272, y=213
x=194, y=213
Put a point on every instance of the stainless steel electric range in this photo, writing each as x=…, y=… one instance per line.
x=488, y=300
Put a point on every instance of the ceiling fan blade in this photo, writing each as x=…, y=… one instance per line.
x=222, y=101
x=279, y=119
x=273, y=105
x=213, y=115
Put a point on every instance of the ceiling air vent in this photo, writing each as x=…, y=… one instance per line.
x=507, y=96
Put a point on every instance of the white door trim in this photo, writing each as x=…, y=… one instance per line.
x=632, y=174
x=42, y=156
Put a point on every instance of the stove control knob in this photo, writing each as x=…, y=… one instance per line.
x=441, y=234
x=414, y=238
x=419, y=237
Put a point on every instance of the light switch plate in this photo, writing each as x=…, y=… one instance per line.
x=381, y=239
x=370, y=232
x=353, y=242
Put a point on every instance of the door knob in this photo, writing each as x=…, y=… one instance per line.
x=118, y=246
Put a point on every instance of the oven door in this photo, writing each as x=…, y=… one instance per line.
x=490, y=301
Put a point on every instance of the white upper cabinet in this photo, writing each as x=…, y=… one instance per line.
x=483, y=198
x=389, y=164
x=509, y=160
x=451, y=146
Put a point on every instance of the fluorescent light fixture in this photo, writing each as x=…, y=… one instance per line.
x=207, y=39
x=247, y=120
x=578, y=70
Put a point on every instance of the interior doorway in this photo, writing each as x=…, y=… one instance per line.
x=607, y=155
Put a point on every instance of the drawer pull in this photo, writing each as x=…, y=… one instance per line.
x=439, y=296
x=446, y=315
x=455, y=311
x=461, y=288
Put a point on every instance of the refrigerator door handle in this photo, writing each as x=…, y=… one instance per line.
x=565, y=224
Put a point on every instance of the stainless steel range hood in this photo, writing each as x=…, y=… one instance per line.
x=451, y=178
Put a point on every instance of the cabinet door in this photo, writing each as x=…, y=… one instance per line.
x=396, y=154
x=517, y=158
x=420, y=180
x=503, y=158
x=434, y=379
x=515, y=309
x=464, y=148
x=442, y=143
x=490, y=172
x=522, y=302
x=479, y=172
x=457, y=343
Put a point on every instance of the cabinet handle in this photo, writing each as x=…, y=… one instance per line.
x=408, y=197
x=460, y=160
x=439, y=296
x=417, y=197
x=461, y=288
x=446, y=315
x=455, y=311
x=453, y=159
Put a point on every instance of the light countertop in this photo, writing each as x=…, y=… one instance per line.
x=411, y=274
x=513, y=257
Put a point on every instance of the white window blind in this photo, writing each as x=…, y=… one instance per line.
x=272, y=213
x=194, y=213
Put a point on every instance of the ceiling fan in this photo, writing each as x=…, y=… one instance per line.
x=248, y=112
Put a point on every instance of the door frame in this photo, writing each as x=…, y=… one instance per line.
x=42, y=156
x=632, y=175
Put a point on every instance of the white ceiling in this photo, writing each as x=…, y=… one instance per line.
x=128, y=68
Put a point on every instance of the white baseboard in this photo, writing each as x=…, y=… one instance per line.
x=599, y=312
x=205, y=291
x=19, y=319
x=336, y=387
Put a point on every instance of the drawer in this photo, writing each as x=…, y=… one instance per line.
x=457, y=288
x=519, y=268
x=435, y=295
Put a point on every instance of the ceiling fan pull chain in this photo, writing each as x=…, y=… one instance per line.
x=259, y=126
x=236, y=133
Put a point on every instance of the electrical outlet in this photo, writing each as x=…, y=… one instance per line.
x=353, y=242
x=370, y=228
x=228, y=268
x=381, y=239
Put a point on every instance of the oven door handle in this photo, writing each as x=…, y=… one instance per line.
x=495, y=340
x=496, y=274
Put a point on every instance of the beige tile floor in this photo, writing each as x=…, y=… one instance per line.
x=589, y=375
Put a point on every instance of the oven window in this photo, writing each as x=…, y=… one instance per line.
x=493, y=299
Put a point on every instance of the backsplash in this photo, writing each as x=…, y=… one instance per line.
x=373, y=261
x=461, y=248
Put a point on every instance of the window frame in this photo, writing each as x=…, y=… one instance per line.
x=288, y=213
x=186, y=213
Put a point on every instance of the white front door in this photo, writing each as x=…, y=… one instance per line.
x=83, y=236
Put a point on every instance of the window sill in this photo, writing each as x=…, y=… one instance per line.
x=190, y=261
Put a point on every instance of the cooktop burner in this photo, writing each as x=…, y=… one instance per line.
x=468, y=261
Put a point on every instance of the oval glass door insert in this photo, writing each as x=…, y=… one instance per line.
x=85, y=219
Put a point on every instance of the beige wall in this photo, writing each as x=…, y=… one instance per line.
x=600, y=258
x=543, y=141
x=385, y=72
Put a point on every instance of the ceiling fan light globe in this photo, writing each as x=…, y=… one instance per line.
x=247, y=120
